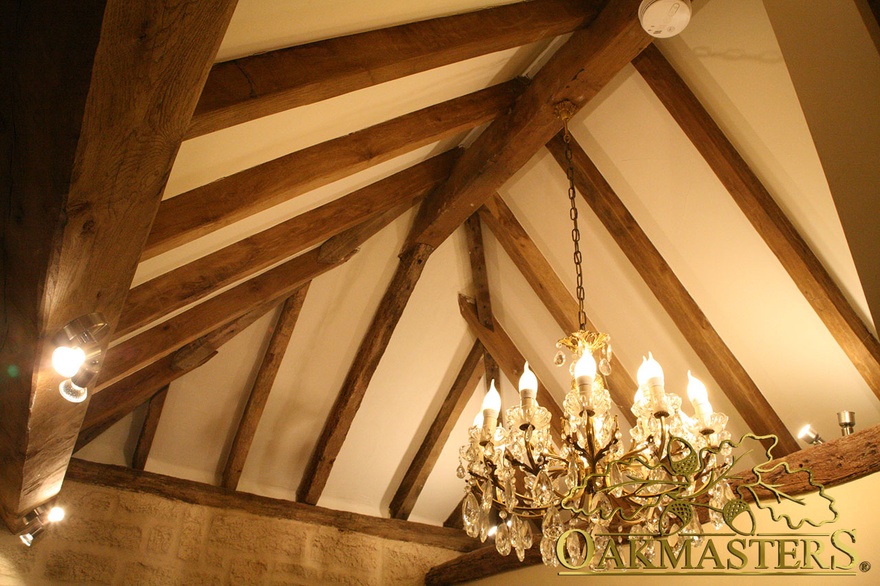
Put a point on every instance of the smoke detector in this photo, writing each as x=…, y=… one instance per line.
x=664, y=18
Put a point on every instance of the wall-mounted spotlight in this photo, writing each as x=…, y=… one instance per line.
x=847, y=422
x=810, y=435
x=78, y=355
x=36, y=522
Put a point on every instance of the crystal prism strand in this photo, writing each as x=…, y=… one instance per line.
x=552, y=524
x=483, y=525
x=502, y=538
x=470, y=513
x=485, y=510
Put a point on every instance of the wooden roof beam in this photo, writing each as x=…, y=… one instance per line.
x=210, y=207
x=423, y=462
x=191, y=282
x=369, y=353
x=121, y=478
x=498, y=343
x=88, y=158
x=282, y=331
x=730, y=375
x=251, y=87
x=474, y=236
x=148, y=429
x=766, y=216
x=550, y=289
x=122, y=397
x=159, y=341
x=576, y=73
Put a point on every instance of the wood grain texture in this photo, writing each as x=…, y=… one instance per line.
x=833, y=463
x=251, y=87
x=259, y=394
x=766, y=216
x=719, y=361
x=499, y=344
x=161, y=340
x=480, y=563
x=89, y=157
x=121, y=478
x=200, y=211
x=121, y=398
x=576, y=73
x=480, y=276
x=202, y=277
x=344, y=243
x=369, y=353
x=423, y=462
x=148, y=429
x=551, y=290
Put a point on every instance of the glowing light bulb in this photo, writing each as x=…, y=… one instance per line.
x=699, y=398
x=492, y=402
x=650, y=373
x=55, y=514
x=585, y=369
x=528, y=381
x=67, y=361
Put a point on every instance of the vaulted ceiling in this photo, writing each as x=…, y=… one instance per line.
x=318, y=229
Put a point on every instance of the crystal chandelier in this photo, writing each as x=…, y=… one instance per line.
x=528, y=486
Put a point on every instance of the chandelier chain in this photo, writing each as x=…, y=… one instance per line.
x=575, y=231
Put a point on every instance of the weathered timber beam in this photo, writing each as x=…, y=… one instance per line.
x=259, y=395
x=576, y=73
x=766, y=216
x=88, y=158
x=148, y=429
x=200, y=211
x=730, y=375
x=833, y=463
x=511, y=361
x=121, y=478
x=121, y=398
x=480, y=276
x=550, y=290
x=423, y=462
x=369, y=353
x=480, y=563
x=189, y=283
x=349, y=241
x=251, y=87
x=161, y=340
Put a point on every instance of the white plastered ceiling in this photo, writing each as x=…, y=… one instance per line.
x=728, y=56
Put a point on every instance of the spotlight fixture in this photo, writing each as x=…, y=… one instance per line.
x=809, y=435
x=31, y=533
x=847, y=422
x=36, y=522
x=664, y=18
x=78, y=354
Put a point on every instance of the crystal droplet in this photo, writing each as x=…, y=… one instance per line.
x=605, y=367
x=502, y=539
x=542, y=491
x=526, y=537
x=470, y=513
x=483, y=525
x=576, y=551
x=459, y=471
x=486, y=501
x=552, y=525
x=548, y=552
x=559, y=359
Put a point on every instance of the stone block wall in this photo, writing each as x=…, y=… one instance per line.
x=118, y=537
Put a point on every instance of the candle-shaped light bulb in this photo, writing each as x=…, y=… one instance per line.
x=478, y=420
x=528, y=387
x=584, y=374
x=699, y=398
x=491, y=409
x=650, y=376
